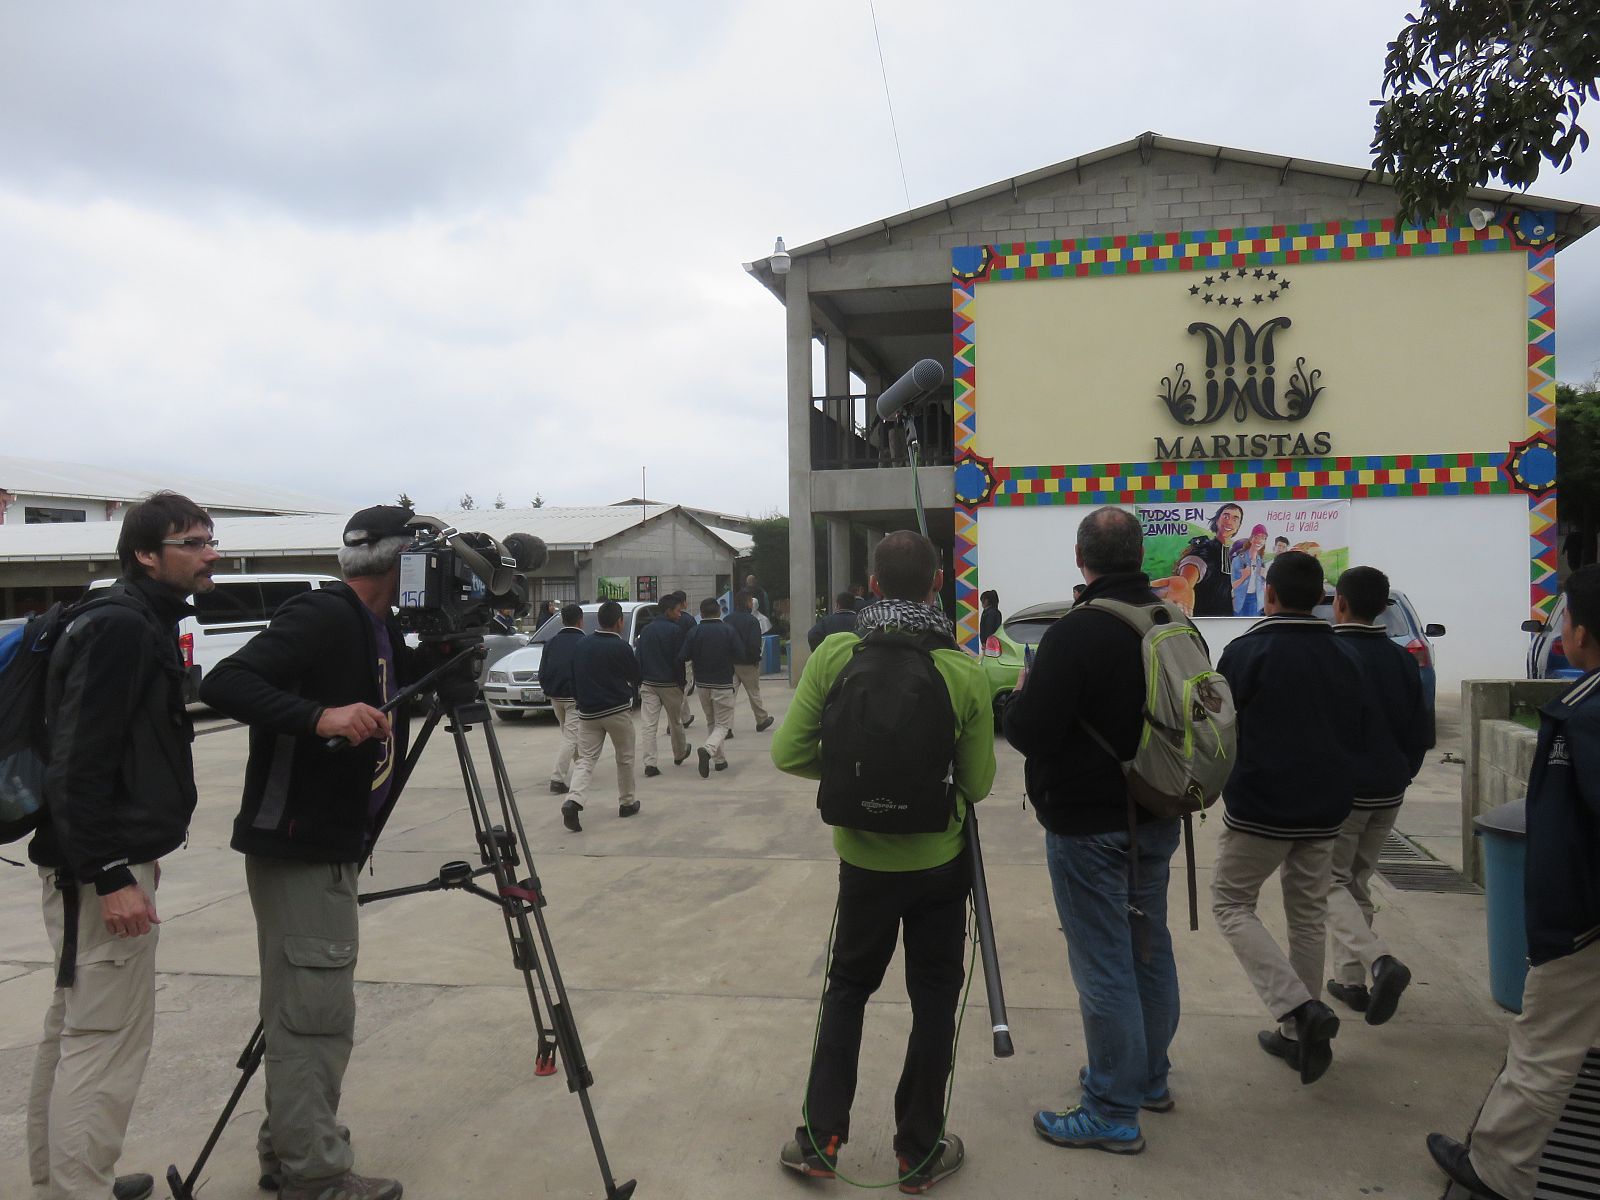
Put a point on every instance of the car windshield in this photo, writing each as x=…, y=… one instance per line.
x=1393, y=620
x=1030, y=632
x=591, y=622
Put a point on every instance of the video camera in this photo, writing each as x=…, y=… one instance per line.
x=453, y=582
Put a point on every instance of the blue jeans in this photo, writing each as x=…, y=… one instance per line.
x=1130, y=1006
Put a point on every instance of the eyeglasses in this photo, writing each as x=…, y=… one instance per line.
x=191, y=543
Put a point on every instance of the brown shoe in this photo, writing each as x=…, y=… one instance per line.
x=348, y=1186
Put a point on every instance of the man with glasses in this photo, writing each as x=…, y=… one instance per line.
x=119, y=793
x=325, y=667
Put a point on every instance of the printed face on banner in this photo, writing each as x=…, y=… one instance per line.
x=1212, y=559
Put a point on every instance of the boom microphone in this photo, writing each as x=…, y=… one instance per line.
x=529, y=551
x=924, y=378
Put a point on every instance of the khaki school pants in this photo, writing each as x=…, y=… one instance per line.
x=717, y=704
x=1355, y=856
x=1245, y=862
x=567, y=718
x=748, y=676
x=1560, y=1020
x=96, y=1041
x=656, y=698
x=592, y=734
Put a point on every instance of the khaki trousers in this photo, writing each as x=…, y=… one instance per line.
x=717, y=704
x=592, y=733
x=307, y=937
x=748, y=676
x=656, y=698
x=1245, y=862
x=1355, y=856
x=96, y=1041
x=566, y=717
x=1560, y=1020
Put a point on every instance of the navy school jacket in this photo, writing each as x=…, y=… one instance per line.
x=713, y=649
x=1562, y=885
x=555, y=664
x=1397, y=737
x=606, y=673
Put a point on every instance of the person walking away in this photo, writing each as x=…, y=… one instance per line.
x=1397, y=740
x=747, y=658
x=1560, y=1019
x=606, y=674
x=712, y=649
x=561, y=689
x=662, y=688
x=119, y=791
x=763, y=604
x=686, y=622
x=911, y=885
x=841, y=620
x=1300, y=704
x=989, y=621
x=1088, y=673
x=324, y=667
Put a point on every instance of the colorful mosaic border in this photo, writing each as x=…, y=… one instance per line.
x=1254, y=479
x=1543, y=582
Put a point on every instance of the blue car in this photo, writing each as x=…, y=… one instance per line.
x=1407, y=631
x=1547, y=657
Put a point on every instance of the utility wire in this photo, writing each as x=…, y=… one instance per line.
x=895, y=129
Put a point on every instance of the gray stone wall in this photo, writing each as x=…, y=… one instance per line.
x=675, y=549
x=1497, y=752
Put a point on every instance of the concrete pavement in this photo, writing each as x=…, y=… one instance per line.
x=691, y=939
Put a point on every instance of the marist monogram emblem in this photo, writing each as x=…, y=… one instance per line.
x=1241, y=371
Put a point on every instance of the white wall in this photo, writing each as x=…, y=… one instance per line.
x=16, y=511
x=1463, y=560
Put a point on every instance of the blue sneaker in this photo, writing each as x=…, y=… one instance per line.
x=1081, y=1129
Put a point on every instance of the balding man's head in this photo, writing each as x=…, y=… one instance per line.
x=1110, y=540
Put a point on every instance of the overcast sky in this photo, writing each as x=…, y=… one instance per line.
x=495, y=247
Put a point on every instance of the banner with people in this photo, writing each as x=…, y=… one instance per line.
x=1212, y=559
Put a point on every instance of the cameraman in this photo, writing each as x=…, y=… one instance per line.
x=323, y=668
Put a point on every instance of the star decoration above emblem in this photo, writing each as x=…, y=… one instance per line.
x=1209, y=280
x=1258, y=273
x=1195, y=290
x=1272, y=295
x=1284, y=284
x=1238, y=303
x=1256, y=299
x=1224, y=277
x=1272, y=274
x=1208, y=297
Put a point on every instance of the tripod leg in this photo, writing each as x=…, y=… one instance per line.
x=249, y=1060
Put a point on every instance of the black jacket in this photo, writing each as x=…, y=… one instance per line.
x=1087, y=667
x=1562, y=885
x=555, y=664
x=607, y=672
x=302, y=800
x=1302, y=707
x=658, y=648
x=120, y=784
x=989, y=623
x=713, y=648
x=826, y=627
x=747, y=635
x=1398, y=736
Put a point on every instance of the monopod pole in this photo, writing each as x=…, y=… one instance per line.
x=982, y=917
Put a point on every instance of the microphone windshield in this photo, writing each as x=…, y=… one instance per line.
x=529, y=551
x=924, y=377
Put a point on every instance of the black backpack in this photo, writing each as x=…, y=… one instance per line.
x=889, y=740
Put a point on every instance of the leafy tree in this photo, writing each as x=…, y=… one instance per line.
x=465, y=503
x=499, y=500
x=404, y=501
x=1476, y=90
x=1578, y=459
x=537, y=501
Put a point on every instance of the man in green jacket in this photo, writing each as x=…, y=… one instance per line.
x=918, y=882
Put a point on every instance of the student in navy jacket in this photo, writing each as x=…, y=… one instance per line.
x=662, y=689
x=555, y=678
x=606, y=674
x=1300, y=700
x=713, y=650
x=1397, y=738
x=1560, y=1017
x=686, y=622
x=841, y=620
x=747, y=657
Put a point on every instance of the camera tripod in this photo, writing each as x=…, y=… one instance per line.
x=502, y=848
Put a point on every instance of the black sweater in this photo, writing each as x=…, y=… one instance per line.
x=713, y=648
x=747, y=635
x=826, y=627
x=1562, y=886
x=607, y=674
x=658, y=653
x=1302, y=719
x=302, y=800
x=1087, y=666
x=1398, y=736
x=555, y=664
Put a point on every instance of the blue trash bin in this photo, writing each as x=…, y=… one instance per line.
x=1503, y=834
x=769, y=655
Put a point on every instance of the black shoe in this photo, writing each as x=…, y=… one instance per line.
x=705, y=762
x=1275, y=1044
x=569, y=815
x=721, y=765
x=628, y=809
x=132, y=1187
x=1315, y=1028
x=1390, y=977
x=763, y=725
x=1352, y=995
x=651, y=772
x=729, y=738
x=678, y=759
x=1454, y=1161
x=557, y=788
x=689, y=720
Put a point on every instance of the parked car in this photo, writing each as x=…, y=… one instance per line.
x=1407, y=631
x=512, y=685
x=228, y=616
x=1005, y=649
x=1547, y=657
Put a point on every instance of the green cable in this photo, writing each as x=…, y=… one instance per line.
x=950, y=1084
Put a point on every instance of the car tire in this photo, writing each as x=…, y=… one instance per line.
x=509, y=714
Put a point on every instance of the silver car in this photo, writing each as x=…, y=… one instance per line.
x=512, y=685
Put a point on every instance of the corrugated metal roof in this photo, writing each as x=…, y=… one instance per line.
x=312, y=534
x=34, y=477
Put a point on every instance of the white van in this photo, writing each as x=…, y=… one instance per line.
x=228, y=616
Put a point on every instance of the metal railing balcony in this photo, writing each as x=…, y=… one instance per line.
x=847, y=435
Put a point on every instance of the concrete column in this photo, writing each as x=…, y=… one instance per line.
x=836, y=369
x=838, y=558
x=802, y=554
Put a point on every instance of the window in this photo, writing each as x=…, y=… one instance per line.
x=275, y=592
x=230, y=603
x=52, y=516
